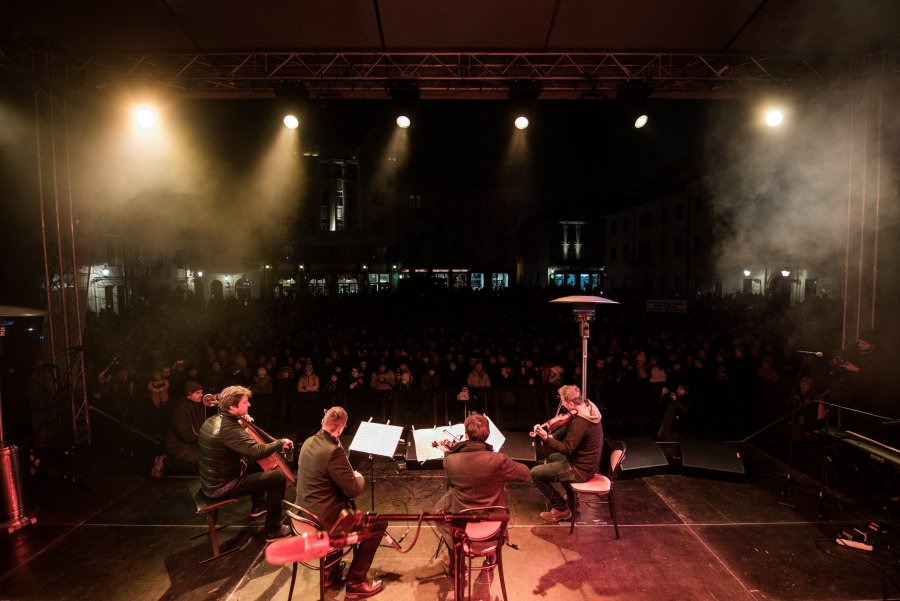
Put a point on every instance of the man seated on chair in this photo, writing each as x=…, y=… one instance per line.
x=326, y=484
x=180, y=443
x=225, y=472
x=576, y=450
x=476, y=475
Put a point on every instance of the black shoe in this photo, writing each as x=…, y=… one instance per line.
x=364, y=589
x=489, y=561
x=334, y=574
x=282, y=532
x=255, y=512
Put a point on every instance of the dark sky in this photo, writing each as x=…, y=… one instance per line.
x=579, y=152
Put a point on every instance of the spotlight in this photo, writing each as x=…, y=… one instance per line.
x=641, y=121
x=405, y=96
x=145, y=117
x=523, y=95
x=747, y=273
x=774, y=117
x=291, y=122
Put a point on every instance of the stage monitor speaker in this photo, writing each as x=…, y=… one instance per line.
x=642, y=452
x=711, y=455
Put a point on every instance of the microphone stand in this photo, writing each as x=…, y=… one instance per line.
x=457, y=521
x=788, y=479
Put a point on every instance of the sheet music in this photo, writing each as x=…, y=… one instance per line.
x=423, y=439
x=496, y=437
x=376, y=439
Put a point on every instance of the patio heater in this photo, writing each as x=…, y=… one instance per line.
x=584, y=309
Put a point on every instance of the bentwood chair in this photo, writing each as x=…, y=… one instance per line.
x=599, y=489
x=479, y=539
x=306, y=522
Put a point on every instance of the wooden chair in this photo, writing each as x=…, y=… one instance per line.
x=599, y=489
x=209, y=507
x=306, y=522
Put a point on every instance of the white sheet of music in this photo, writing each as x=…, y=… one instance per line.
x=376, y=439
x=495, y=438
x=423, y=439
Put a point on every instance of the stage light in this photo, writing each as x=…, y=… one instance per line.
x=145, y=117
x=774, y=117
x=521, y=122
x=641, y=121
x=523, y=95
x=785, y=273
x=747, y=273
x=291, y=122
x=403, y=122
x=405, y=97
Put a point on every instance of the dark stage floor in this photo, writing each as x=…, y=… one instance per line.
x=116, y=534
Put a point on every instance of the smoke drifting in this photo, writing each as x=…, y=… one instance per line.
x=779, y=195
x=182, y=191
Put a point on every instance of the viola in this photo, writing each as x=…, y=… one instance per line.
x=271, y=462
x=554, y=423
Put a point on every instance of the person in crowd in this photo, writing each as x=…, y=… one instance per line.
x=382, y=378
x=803, y=411
x=262, y=382
x=405, y=380
x=575, y=447
x=309, y=380
x=158, y=387
x=355, y=381
x=327, y=484
x=183, y=432
x=430, y=378
x=478, y=377
x=476, y=475
x=223, y=443
x=678, y=416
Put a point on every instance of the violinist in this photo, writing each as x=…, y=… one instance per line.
x=224, y=473
x=476, y=475
x=576, y=450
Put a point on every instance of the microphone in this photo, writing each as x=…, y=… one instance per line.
x=813, y=353
x=308, y=546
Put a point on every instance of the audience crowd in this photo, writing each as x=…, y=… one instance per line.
x=736, y=356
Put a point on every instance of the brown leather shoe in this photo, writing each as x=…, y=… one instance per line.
x=364, y=589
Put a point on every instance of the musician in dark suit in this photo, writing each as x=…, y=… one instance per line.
x=225, y=471
x=326, y=484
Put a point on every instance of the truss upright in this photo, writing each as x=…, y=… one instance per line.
x=62, y=288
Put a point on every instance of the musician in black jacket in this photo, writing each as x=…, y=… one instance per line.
x=225, y=473
x=326, y=484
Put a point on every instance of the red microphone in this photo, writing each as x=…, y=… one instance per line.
x=308, y=546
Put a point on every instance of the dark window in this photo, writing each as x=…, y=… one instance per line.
x=626, y=225
x=612, y=226
x=644, y=220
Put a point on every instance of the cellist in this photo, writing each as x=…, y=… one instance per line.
x=222, y=445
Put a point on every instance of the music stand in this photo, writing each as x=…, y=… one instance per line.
x=373, y=439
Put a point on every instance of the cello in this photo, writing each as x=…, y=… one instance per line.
x=271, y=462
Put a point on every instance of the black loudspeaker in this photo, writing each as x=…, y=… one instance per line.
x=641, y=452
x=711, y=455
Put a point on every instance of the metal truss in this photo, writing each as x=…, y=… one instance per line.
x=564, y=75
x=64, y=297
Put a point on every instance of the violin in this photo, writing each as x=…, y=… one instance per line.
x=446, y=445
x=271, y=462
x=554, y=423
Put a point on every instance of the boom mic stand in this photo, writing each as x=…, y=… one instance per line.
x=294, y=549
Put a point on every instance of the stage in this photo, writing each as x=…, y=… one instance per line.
x=106, y=530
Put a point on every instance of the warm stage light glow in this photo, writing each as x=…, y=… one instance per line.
x=641, y=121
x=291, y=122
x=521, y=122
x=747, y=273
x=145, y=117
x=774, y=117
x=403, y=122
